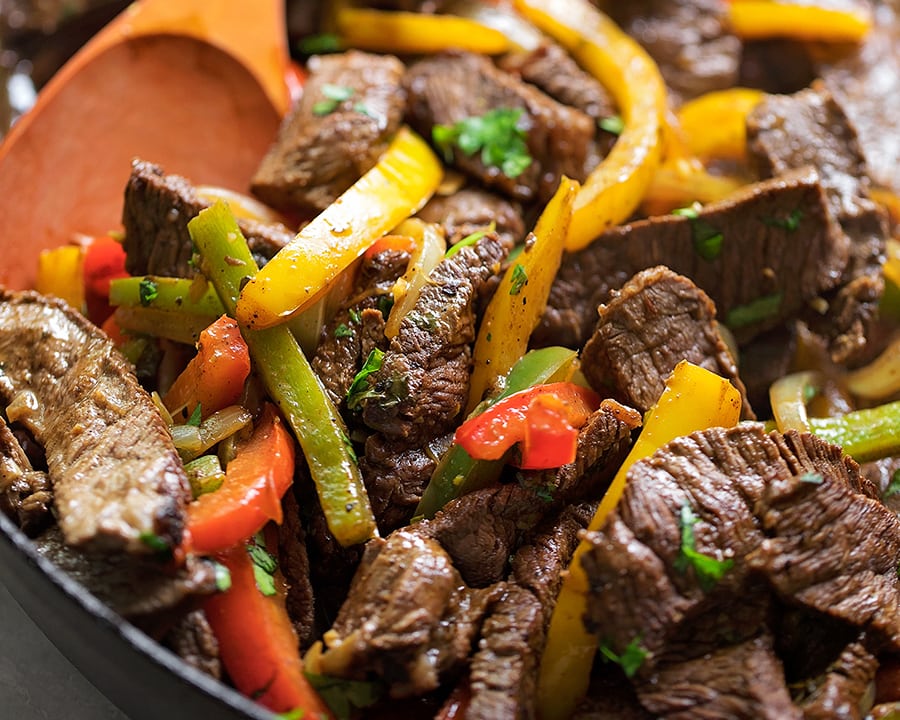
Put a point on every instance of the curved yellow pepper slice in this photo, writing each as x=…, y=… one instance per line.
x=694, y=399
x=715, y=124
x=399, y=184
x=516, y=307
x=415, y=33
x=753, y=19
x=683, y=181
x=615, y=187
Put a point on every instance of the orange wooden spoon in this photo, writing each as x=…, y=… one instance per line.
x=197, y=86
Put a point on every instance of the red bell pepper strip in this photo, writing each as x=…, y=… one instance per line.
x=214, y=378
x=104, y=260
x=545, y=419
x=255, y=481
x=257, y=642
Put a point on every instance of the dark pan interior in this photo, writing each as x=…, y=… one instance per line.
x=142, y=678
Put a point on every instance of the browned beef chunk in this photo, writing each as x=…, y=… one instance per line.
x=866, y=82
x=136, y=588
x=760, y=255
x=352, y=104
x=788, y=514
x=118, y=481
x=156, y=212
x=25, y=493
x=810, y=129
x=293, y=561
x=421, y=387
x=192, y=639
x=776, y=65
x=503, y=671
x=689, y=39
x=446, y=89
x=768, y=357
x=358, y=326
x=610, y=697
x=409, y=619
x=472, y=209
x=885, y=475
x=658, y=319
x=743, y=681
x=842, y=692
x=396, y=476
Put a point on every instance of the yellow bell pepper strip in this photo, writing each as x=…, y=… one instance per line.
x=615, y=187
x=411, y=33
x=684, y=181
x=60, y=273
x=458, y=473
x=290, y=381
x=864, y=435
x=399, y=184
x=714, y=125
x=214, y=378
x=516, y=307
x=694, y=399
x=757, y=19
x=543, y=419
x=167, y=293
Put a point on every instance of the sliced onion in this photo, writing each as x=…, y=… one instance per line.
x=430, y=249
x=243, y=206
x=789, y=395
x=880, y=378
x=192, y=442
x=499, y=17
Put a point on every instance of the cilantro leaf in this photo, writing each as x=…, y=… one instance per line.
x=345, y=696
x=709, y=570
x=498, y=135
x=518, y=279
x=631, y=658
x=614, y=124
x=148, y=291
x=360, y=388
x=195, y=417
x=155, y=543
x=707, y=238
x=790, y=223
x=343, y=331
x=264, y=565
x=334, y=95
x=753, y=311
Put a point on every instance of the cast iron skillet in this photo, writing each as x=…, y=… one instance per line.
x=145, y=680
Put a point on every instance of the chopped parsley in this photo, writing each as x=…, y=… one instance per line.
x=518, y=279
x=498, y=135
x=334, y=96
x=264, y=565
x=790, y=223
x=614, y=124
x=222, y=575
x=345, y=696
x=893, y=486
x=148, y=291
x=195, y=417
x=754, y=311
x=631, y=658
x=155, y=542
x=343, y=331
x=707, y=238
x=361, y=387
x=354, y=315
x=709, y=570
x=319, y=44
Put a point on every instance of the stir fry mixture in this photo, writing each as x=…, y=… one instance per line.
x=549, y=367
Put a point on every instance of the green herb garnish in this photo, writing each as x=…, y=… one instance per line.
x=345, y=696
x=518, y=279
x=148, y=291
x=614, y=124
x=498, y=135
x=319, y=44
x=334, y=96
x=812, y=478
x=343, y=331
x=264, y=565
x=709, y=570
x=790, y=223
x=155, y=542
x=222, y=575
x=631, y=658
x=893, y=486
x=706, y=237
x=469, y=240
x=195, y=417
x=361, y=388
x=754, y=311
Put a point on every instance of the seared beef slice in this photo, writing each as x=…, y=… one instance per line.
x=446, y=89
x=117, y=478
x=655, y=321
x=352, y=104
x=760, y=255
x=25, y=493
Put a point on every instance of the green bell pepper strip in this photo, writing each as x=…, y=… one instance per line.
x=166, y=293
x=865, y=435
x=458, y=473
x=291, y=382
